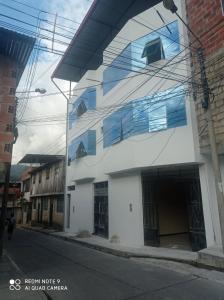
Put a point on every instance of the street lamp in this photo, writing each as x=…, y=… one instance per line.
x=170, y=5
x=37, y=90
x=41, y=91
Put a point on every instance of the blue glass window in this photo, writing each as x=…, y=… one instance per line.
x=159, y=44
x=153, y=51
x=152, y=113
x=87, y=101
x=83, y=145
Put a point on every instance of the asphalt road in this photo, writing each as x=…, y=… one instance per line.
x=90, y=274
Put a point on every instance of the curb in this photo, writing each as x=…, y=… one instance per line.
x=126, y=254
x=108, y=250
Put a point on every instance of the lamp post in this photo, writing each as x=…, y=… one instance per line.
x=7, y=168
x=170, y=5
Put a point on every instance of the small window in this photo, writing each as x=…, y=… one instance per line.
x=81, y=151
x=7, y=148
x=13, y=74
x=71, y=187
x=34, y=179
x=60, y=205
x=12, y=91
x=40, y=177
x=47, y=173
x=11, y=109
x=153, y=51
x=34, y=204
x=8, y=128
x=45, y=204
x=56, y=170
x=81, y=109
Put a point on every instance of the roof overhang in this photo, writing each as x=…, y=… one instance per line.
x=16, y=47
x=40, y=158
x=102, y=23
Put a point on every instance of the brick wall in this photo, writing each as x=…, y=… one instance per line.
x=207, y=21
x=7, y=102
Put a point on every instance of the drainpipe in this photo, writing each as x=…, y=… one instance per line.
x=66, y=150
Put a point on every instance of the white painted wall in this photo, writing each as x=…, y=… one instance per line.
x=81, y=213
x=168, y=147
x=126, y=224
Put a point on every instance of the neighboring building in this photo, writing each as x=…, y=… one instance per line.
x=15, y=50
x=14, y=195
x=45, y=188
x=135, y=172
x=25, y=200
x=206, y=19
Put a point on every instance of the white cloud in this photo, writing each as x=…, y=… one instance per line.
x=47, y=138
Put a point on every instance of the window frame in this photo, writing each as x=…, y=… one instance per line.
x=40, y=177
x=45, y=204
x=7, y=148
x=47, y=173
x=11, y=109
x=9, y=128
x=154, y=43
x=12, y=91
x=60, y=208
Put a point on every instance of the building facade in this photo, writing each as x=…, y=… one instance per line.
x=47, y=194
x=135, y=173
x=14, y=53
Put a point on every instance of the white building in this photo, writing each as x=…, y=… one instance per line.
x=135, y=172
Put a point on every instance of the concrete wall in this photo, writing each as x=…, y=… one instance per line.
x=125, y=209
x=82, y=208
x=164, y=148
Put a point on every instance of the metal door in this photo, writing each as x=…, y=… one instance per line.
x=196, y=217
x=101, y=209
x=150, y=213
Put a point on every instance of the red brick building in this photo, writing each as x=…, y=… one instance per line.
x=15, y=50
x=206, y=19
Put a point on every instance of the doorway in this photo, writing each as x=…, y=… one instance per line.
x=51, y=213
x=101, y=209
x=172, y=209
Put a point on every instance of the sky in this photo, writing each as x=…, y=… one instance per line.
x=41, y=119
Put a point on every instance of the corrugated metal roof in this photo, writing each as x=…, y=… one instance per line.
x=16, y=46
x=39, y=158
x=101, y=24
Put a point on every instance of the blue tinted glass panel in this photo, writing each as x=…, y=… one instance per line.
x=88, y=140
x=130, y=59
x=89, y=100
x=152, y=113
x=176, y=113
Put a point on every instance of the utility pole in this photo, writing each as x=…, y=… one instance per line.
x=206, y=104
x=4, y=205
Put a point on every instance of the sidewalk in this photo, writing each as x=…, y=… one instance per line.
x=206, y=258
x=105, y=245
x=9, y=271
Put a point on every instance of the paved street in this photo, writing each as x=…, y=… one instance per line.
x=89, y=274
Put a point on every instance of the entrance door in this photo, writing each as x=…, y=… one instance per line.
x=51, y=213
x=196, y=217
x=101, y=209
x=39, y=212
x=150, y=213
